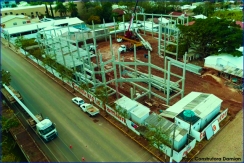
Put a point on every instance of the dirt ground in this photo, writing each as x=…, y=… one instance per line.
x=208, y=82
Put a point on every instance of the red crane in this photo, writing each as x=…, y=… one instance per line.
x=128, y=33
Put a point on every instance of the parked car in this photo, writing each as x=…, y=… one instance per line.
x=78, y=101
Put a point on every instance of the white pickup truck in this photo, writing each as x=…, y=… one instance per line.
x=90, y=109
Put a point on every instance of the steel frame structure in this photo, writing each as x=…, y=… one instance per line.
x=52, y=44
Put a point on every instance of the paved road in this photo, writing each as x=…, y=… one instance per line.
x=228, y=143
x=98, y=141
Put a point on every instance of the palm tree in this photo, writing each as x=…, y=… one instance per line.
x=61, y=9
x=72, y=8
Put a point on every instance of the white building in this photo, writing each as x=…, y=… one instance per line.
x=196, y=112
x=33, y=28
x=127, y=104
x=139, y=114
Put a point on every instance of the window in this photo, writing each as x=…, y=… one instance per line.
x=17, y=14
x=6, y=13
x=31, y=12
x=24, y=22
x=14, y=23
x=0, y=14
x=11, y=13
x=22, y=14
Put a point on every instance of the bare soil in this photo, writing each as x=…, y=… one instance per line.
x=208, y=82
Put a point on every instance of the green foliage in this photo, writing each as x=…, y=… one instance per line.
x=64, y=72
x=13, y=5
x=60, y=8
x=157, y=136
x=198, y=10
x=34, y=3
x=18, y=42
x=121, y=111
x=85, y=86
x=6, y=77
x=211, y=36
x=72, y=8
x=230, y=15
x=9, y=120
x=106, y=11
x=48, y=60
x=101, y=93
x=95, y=19
x=9, y=158
x=37, y=53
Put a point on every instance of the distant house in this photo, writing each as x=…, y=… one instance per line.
x=7, y=3
x=17, y=20
x=178, y=14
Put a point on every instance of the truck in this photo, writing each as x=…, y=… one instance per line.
x=90, y=109
x=128, y=47
x=44, y=128
x=8, y=96
x=139, y=41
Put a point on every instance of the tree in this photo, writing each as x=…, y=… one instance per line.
x=18, y=42
x=37, y=53
x=47, y=60
x=60, y=8
x=95, y=19
x=198, y=10
x=9, y=120
x=64, y=73
x=124, y=113
x=212, y=36
x=72, y=8
x=106, y=11
x=6, y=77
x=47, y=12
x=102, y=94
x=208, y=9
x=157, y=135
x=51, y=9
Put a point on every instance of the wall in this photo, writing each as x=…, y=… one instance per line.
x=19, y=22
x=200, y=135
x=210, y=117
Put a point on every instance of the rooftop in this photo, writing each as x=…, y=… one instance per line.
x=140, y=111
x=165, y=125
x=10, y=17
x=31, y=27
x=201, y=104
x=126, y=103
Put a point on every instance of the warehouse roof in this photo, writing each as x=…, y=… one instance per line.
x=126, y=103
x=166, y=126
x=201, y=104
x=31, y=27
x=140, y=111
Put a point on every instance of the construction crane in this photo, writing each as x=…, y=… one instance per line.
x=128, y=33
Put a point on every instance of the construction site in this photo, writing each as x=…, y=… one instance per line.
x=135, y=62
